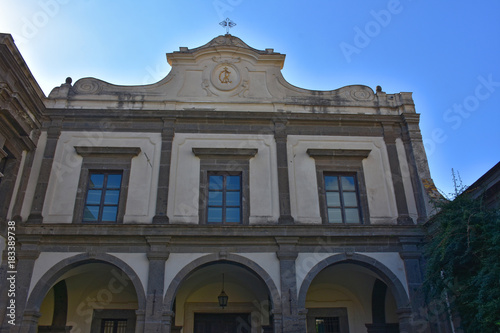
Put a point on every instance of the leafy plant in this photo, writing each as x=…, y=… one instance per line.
x=463, y=261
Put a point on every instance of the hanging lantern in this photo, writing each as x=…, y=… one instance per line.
x=223, y=296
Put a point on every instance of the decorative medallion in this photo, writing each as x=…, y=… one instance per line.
x=225, y=77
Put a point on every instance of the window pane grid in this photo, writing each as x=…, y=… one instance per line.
x=103, y=195
x=114, y=326
x=342, y=204
x=224, y=199
x=327, y=325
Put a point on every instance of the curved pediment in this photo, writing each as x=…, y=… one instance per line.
x=224, y=74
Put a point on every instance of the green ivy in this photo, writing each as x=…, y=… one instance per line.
x=463, y=262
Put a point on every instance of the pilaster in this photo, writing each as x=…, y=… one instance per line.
x=412, y=258
x=26, y=321
x=417, y=162
x=53, y=133
x=287, y=254
x=390, y=136
x=157, y=255
x=167, y=136
x=280, y=136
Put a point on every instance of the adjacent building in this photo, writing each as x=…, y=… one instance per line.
x=219, y=199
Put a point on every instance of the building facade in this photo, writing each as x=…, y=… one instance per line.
x=136, y=207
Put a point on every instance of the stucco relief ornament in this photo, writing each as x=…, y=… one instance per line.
x=225, y=76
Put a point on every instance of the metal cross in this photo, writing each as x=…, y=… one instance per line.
x=228, y=24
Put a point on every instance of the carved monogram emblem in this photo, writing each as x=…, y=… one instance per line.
x=224, y=76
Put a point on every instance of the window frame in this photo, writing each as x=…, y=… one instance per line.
x=342, y=207
x=224, y=191
x=342, y=162
x=103, y=159
x=224, y=160
x=104, y=189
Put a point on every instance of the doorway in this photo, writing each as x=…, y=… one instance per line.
x=222, y=323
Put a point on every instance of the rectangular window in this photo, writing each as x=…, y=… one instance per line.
x=114, y=326
x=327, y=325
x=224, y=198
x=103, y=194
x=342, y=202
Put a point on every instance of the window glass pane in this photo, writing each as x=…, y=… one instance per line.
x=350, y=199
x=214, y=198
x=232, y=215
x=334, y=215
x=233, y=182
x=331, y=183
x=91, y=213
x=348, y=183
x=215, y=182
x=233, y=198
x=214, y=214
x=122, y=326
x=94, y=197
x=111, y=197
x=96, y=181
x=114, y=181
x=108, y=326
x=351, y=215
x=109, y=213
x=333, y=199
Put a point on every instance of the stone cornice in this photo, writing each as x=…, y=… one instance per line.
x=339, y=153
x=96, y=150
x=225, y=152
x=177, y=230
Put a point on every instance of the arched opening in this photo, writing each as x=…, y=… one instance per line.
x=351, y=295
x=194, y=300
x=88, y=295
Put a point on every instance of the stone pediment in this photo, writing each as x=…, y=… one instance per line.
x=224, y=74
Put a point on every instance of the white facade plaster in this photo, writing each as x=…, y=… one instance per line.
x=139, y=262
x=304, y=199
x=393, y=261
x=176, y=262
x=35, y=172
x=16, y=185
x=269, y=262
x=63, y=183
x=405, y=175
x=305, y=262
x=44, y=262
x=184, y=186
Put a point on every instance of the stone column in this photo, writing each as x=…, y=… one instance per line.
x=405, y=321
x=283, y=181
x=168, y=325
x=287, y=254
x=53, y=133
x=397, y=180
x=167, y=136
x=412, y=256
x=26, y=321
x=157, y=255
x=139, y=321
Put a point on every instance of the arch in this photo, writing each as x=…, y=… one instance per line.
x=385, y=274
x=215, y=258
x=43, y=286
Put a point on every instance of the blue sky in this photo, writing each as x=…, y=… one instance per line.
x=446, y=53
